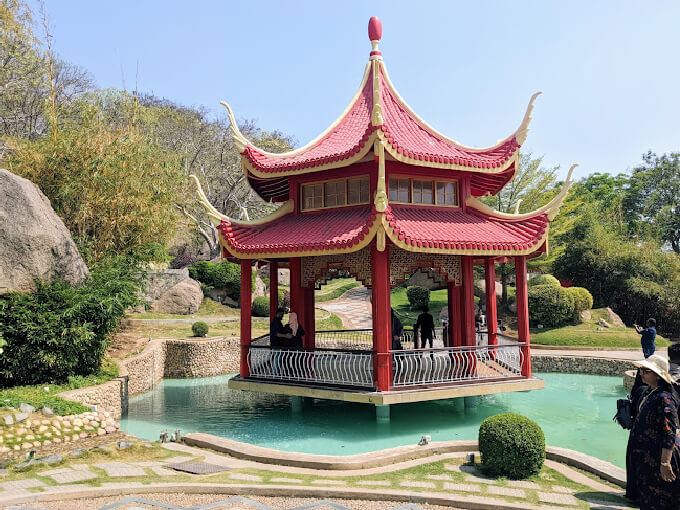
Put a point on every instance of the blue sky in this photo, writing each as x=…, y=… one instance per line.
x=608, y=69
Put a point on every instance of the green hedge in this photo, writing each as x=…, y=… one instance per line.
x=199, y=328
x=261, y=306
x=223, y=275
x=544, y=279
x=550, y=306
x=418, y=297
x=583, y=300
x=511, y=445
x=61, y=331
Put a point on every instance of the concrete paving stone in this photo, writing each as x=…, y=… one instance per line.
x=51, y=472
x=453, y=467
x=438, y=477
x=246, y=477
x=120, y=469
x=285, y=480
x=148, y=464
x=329, y=482
x=383, y=483
x=121, y=485
x=479, y=479
x=67, y=487
x=75, y=475
x=161, y=471
x=506, y=491
x=524, y=485
x=422, y=485
x=560, y=499
x=563, y=490
x=464, y=487
x=179, y=458
x=27, y=483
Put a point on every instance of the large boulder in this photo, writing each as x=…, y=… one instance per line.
x=183, y=298
x=614, y=319
x=34, y=242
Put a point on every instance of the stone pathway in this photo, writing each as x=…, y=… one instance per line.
x=353, y=308
x=450, y=483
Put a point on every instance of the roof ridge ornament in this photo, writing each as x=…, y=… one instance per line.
x=374, y=35
x=523, y=130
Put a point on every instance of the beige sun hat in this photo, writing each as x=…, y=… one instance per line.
x=657, y=364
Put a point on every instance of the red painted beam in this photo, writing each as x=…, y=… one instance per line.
x=455, y=330
x=382, y=318
x=246, y=304
x=273, y=289
x=523, y=312
x=490, y=286
x=468, y=301
x=308, y=320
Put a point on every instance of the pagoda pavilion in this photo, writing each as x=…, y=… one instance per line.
x=380, y=194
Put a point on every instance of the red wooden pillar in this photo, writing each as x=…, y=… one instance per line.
x=490, y=286
x=297, y=297
x=273, y=289
x=382, y=318
x=453, y=303
x=308, y=319
x=467, y=301
x=523, y=312
x=246, y=303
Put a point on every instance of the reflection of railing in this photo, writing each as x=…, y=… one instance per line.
x=456, y=364
x=317, y=366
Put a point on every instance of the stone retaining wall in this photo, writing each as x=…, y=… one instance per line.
x=161, y=358
x=201, y=357
x=580, y=365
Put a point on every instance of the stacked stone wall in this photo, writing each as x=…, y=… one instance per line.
x=580, y=365
x=201, y=358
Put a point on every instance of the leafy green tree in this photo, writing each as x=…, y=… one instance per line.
x=112, y=185
x=654, y=197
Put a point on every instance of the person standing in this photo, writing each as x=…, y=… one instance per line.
x=425, y=326
x=653, y=439
x=648, y=337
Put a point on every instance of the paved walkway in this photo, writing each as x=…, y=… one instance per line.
x=441, y=481
x=353, y=308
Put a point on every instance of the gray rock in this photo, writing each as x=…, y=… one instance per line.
x=614, y=319
x=34, y=242
x=51, y=459
x=47, y=411
x=586, y=315
x=603, y=323
x=26, y=464
x=20, y=417
x=27, y=408
x=5, y=463
x=183, y=298
x=8, y=419
x=77, y=452
x=3, y=472
x=260, y=287
x=159, y=281
x=122, y=445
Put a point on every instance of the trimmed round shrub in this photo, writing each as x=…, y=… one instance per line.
x=418, y=297
x=583, y=299
x=261, y=306
x=544, y=279
x=511, y=445
x=199, y=328
x=550, y=306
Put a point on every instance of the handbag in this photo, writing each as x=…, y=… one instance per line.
x=623, y=413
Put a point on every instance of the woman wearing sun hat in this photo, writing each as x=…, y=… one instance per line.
x=654, y=438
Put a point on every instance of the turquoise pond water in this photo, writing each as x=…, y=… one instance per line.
x=575, y=411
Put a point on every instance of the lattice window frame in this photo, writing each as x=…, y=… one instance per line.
x=315, y=270
x=404, y=262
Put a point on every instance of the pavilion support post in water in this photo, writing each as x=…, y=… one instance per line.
x=453, y=303
x=246, y=304
x=308, y=319
x=382, y=319
x=523, y=312
x=490, y=291
x=297, y=297
x=468, y=301
x=273, y=289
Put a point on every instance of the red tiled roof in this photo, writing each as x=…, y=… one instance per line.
x=447, y=228
x=406, y=135
x=319, y=230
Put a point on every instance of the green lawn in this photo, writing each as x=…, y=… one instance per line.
x=208, y=308
x=334, y=289
x=438, y=300
x=586, y=334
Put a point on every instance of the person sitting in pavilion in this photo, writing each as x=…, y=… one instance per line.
x=397, y=330
x=294, y=332
x=277, y=335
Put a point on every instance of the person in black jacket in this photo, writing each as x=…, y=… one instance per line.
x=425, y=326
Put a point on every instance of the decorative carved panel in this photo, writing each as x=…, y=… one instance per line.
x=404, y=262
x=318, y=270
